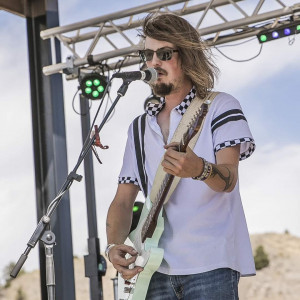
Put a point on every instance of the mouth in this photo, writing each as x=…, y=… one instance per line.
x=161, y=72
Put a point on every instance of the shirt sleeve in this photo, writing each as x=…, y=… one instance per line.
x=128, y=171
x=229, y=126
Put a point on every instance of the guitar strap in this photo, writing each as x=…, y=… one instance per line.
x=138, y=133
x=140, y=123
x=180, y=130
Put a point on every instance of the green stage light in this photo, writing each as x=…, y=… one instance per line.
x=279, y=32
x=96, y=82
x=95, y=94
x=88, y=83
x=136, y=213
x=93, y=86
x=100, y=89
x=88, y=90
x=263, y=38
x=135, y=208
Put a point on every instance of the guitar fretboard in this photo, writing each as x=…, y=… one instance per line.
x=150, y=222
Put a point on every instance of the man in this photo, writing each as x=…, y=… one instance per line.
x=205, y=239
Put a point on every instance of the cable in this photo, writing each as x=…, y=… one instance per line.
x=244, y=60
x=94, y=120
x=84, y=150
x=233, y=45
x=73, y=105
x=106, y=107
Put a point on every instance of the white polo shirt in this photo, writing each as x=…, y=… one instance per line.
x=204, y=229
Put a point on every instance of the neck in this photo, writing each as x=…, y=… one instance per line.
x=176, y=97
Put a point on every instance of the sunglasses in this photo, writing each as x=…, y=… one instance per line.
x=163, y=54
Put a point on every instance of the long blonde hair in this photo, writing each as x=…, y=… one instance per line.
x=195, y=55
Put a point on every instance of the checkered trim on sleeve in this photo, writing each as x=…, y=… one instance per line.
x=128, y=180
x=235, y=142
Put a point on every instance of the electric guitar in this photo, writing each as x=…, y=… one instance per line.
x=146, y=236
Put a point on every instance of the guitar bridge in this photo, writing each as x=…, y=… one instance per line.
x=129, y=290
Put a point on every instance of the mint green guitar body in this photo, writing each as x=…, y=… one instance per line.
x=150, y=258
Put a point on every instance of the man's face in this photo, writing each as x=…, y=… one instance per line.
x=170, y=74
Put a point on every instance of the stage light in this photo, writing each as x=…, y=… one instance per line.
x=136, y=213
x=93, y=85
x=275, y=34
x=263, y=38
x=279, y=32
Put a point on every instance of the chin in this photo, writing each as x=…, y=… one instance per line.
x=162, y=89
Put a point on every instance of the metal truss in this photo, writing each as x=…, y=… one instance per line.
x=114, y=37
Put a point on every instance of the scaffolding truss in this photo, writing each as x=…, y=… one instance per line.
x=111, y=41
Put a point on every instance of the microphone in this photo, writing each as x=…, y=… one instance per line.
x=149, y=75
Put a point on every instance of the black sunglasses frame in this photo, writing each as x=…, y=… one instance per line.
x=163, y=54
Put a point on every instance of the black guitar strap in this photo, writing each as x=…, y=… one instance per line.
x=139, y=125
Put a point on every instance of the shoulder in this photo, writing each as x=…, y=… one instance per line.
x=224, y=101
x=225, y=106
x=137, y=121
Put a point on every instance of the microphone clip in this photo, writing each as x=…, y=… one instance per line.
x=97, y=143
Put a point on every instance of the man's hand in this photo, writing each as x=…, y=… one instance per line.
x=121, y=264
x=181, y=164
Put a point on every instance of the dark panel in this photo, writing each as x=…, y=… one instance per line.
x=49, y=140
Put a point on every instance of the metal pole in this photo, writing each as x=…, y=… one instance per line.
x=49, y=143
x=93, y=259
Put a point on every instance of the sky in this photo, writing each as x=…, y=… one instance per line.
x=267, y=87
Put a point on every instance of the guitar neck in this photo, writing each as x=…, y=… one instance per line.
x=151, y=221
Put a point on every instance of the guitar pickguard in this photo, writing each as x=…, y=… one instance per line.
x=150, y=258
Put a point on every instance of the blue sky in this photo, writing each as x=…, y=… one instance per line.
x=268, y=88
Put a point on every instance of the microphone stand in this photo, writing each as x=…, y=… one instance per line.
x=48, y=237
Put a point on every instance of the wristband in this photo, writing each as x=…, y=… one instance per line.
x=207, y=170
x=108, y=247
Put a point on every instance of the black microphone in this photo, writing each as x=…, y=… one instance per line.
x=149, y=75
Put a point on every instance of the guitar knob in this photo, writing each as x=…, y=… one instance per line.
x=140, y=261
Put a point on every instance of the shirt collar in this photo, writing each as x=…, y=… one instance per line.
x=153, y=109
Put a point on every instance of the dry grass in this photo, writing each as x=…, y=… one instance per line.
x=279, y=281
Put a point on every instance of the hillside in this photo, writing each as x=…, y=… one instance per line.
x=279, y=281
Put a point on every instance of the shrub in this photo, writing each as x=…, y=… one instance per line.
x=20, y=294
x=261, y=258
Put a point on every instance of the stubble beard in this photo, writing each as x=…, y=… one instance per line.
x=162, y=89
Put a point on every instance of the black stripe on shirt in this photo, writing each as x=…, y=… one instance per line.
x=229, y=116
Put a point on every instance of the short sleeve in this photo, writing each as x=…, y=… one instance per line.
x=128, y=171
x=229, y=126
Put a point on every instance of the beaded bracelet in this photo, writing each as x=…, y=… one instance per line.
x=207, y=170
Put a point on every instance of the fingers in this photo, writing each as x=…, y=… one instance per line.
x=182, y=164
x=129, y=273
x=173, y=160
x=121, y=261
x=117, y=255
x=173, y=146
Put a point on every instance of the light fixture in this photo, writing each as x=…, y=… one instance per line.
x=93, y=85
x=136, y=213
x=279, y=32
